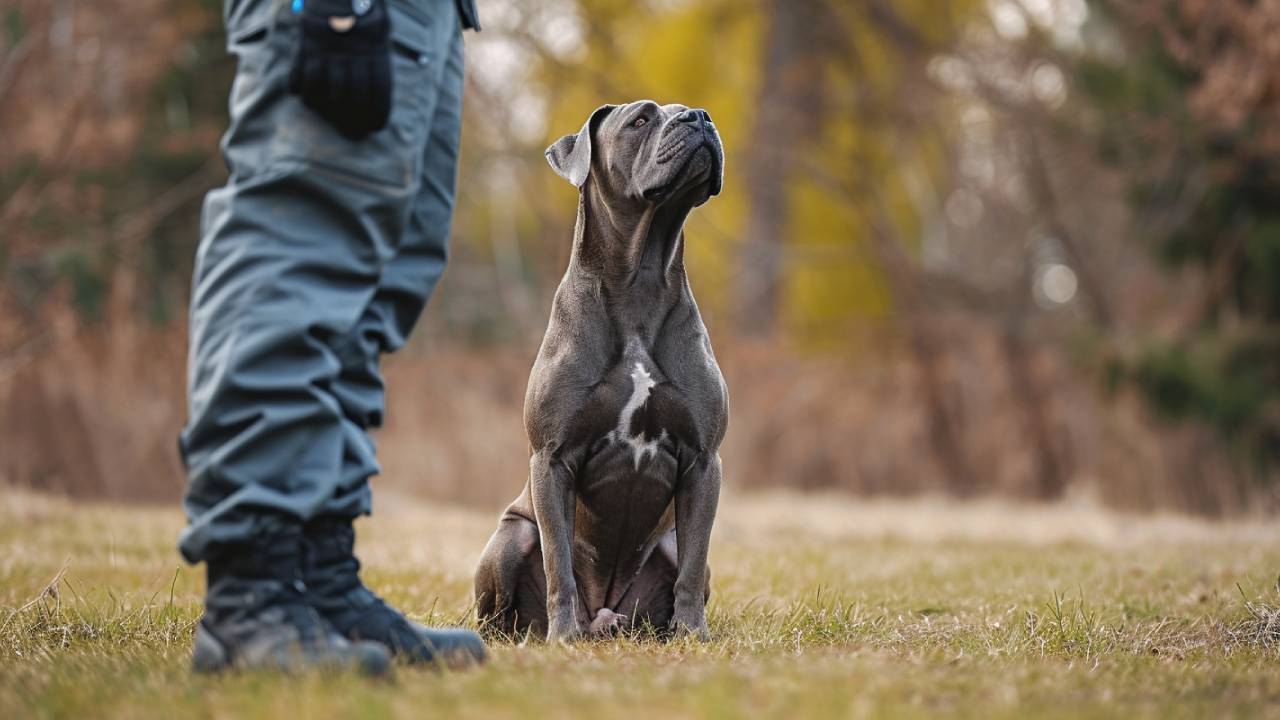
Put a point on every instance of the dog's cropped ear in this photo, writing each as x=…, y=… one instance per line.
x=570, y=156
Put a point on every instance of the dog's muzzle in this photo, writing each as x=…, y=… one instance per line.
x=691, y=142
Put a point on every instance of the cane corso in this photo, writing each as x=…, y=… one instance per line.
x=626, y=407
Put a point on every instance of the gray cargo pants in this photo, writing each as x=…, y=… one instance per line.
x=316, y=257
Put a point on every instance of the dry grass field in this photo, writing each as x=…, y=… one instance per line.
x=822, y=607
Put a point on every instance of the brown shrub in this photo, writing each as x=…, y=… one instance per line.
x=96, y=413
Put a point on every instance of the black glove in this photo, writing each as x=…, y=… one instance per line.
x=342, y=69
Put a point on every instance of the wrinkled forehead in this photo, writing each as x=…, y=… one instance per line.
x=625, y=114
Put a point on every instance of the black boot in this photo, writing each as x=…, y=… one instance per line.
x=257, y=617
x=336, y=592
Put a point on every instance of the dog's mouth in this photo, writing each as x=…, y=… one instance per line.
x=700, y=167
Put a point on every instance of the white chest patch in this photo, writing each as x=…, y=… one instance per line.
x=641, y=385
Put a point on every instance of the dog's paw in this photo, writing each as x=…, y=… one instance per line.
x=695, y=627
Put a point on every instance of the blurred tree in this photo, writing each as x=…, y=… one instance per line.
x=1187, y=101
x=787, y=118
x=111, y=129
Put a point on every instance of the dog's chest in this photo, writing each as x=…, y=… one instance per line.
x=635, y=430
x=632, y=441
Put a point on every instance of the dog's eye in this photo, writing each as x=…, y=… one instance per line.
x=639, y=122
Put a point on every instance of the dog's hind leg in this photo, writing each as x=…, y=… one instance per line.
x=510, y=587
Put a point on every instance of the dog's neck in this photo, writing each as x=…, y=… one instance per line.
x=629, y=247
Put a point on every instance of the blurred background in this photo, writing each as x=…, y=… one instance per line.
x=1026, y=248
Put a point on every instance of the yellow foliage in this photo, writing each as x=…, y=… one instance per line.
x=710, y=54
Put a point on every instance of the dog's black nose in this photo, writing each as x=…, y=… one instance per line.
x=693, y=116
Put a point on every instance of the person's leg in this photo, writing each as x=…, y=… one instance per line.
x=405, y=285
x=408, y=279
x=292, y=250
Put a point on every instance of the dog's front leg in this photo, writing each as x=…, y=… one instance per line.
x=697, y=494
x=551, y=485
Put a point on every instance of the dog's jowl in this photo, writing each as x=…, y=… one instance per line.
x=626, y=407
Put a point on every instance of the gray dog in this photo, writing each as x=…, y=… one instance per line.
x=626, y=407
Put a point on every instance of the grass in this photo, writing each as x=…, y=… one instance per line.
x=821, y=607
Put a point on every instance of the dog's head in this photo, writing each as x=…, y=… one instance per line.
x=644, y=152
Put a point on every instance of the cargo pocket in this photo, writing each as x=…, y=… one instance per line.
x=249, y=47
x=391, y=159
x=414, y=67
x=251, y=100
